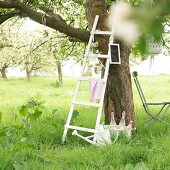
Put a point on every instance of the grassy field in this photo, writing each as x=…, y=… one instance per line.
x=27, y=144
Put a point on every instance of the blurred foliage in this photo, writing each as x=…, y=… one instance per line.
x=151, y=16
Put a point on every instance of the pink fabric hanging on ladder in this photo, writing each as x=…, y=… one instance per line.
x=96, y=86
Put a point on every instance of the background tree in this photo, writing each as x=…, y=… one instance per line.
x=24, y=49
x=35, y=54
x=35, y=61
x=7, y=60
x=62, y=50
x=9, y=54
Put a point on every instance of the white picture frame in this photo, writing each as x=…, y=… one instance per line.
x=114, y=54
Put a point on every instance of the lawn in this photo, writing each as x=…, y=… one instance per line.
x=27, y=144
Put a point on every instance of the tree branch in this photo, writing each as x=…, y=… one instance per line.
x=52, y=22
x=8, y=15
x=71, y=50
x=5, y=45
x=7, y=4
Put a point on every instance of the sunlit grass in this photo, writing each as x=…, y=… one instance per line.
x=148, y=148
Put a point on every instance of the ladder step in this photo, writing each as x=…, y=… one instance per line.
x=87, y=104
x=81, y=128
x=102, y=32
x=87, y=79
x=98, y=55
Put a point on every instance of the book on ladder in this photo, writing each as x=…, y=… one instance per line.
x=98, y=133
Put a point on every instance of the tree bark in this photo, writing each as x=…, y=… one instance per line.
x=118, y=95
x=3, y=73
x=60, y=75
x=28, y=75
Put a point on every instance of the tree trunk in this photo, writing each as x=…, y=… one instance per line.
x=3, y=73
x=60, y=75
x=118, y=95
x=28, y=74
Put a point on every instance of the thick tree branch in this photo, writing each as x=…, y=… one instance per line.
x=50, y=13
x=50, y=21
x=8, y=15
x=7, y=4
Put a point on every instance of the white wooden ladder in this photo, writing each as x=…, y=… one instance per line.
x=104, y=80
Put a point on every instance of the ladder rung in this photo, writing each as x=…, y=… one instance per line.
x=102, y=32
x=98, y=55
x=81, y=128
x=87, y=79
x=87, y=104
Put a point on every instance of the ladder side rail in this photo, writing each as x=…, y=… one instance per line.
x=92, y=35
x=86, y=57
x=67, y=123
x=99, y=114
x=76, y=91
x=79, y=82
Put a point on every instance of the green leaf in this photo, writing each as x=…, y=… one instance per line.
x=30, y=145
x=128, y=167
x=9, y=133
x=19, y=161
x=23, y=111
x=140, y=166
x=24, y=139
x=2, y=134
x=18, y=166
x=28, y=126
x=37, y=113
x=63, y=121
x=18, y=127
x=17, y=147
x=75, y=114
x=0, y=116
x=54, y=112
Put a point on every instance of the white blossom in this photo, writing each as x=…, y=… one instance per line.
x=120, y=23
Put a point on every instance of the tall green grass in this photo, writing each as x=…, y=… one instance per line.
x=39, y=146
